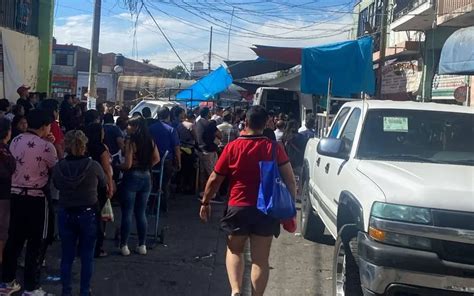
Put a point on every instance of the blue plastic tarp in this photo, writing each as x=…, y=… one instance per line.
x=349, y=65
x=457, y=56
x=207, y=87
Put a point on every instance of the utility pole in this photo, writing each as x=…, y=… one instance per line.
x=94, y=56
x=383, y=46
x=210, y=54
x=228, y=37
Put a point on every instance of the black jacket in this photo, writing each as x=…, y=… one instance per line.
x=7, y=168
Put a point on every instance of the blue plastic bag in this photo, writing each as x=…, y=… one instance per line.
x=274, y=198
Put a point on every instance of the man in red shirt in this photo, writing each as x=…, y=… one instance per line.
x=240, y=163
x=52, y=108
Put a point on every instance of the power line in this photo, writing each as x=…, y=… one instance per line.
x=164, y=35
x=249, y=33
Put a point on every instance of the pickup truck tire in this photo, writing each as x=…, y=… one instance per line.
x=312, y=228
x=346, y=277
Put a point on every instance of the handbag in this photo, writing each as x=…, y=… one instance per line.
x=274, y=198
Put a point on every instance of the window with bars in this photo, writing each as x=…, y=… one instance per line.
x=63, y=58
x=20, y=15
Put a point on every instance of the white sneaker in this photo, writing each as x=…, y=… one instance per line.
x=37, y=292
x=8, y=289
x=141, y=250
x=125, y=251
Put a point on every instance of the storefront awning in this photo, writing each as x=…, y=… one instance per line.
x=244, y=69
x=287, y=55
x=457, y=56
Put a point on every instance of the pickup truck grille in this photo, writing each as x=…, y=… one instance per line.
x=451, y=219
x=454, y=251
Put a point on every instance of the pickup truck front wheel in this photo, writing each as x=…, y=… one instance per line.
x=312, y=228
x=346, y=278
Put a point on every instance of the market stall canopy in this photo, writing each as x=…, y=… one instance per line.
x=244, y=69
x=207, y=87
x=348, y=64
x=286, y=55
x=457, y=56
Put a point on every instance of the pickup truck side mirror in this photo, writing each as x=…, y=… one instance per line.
x=332, y=147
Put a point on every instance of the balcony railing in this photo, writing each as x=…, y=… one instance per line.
x=449, y=6
x=403, y=7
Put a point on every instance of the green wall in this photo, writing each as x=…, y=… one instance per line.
x=45, y=35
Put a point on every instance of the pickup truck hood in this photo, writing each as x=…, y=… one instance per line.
x=440, y=186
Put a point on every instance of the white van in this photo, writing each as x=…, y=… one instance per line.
x=154, y=105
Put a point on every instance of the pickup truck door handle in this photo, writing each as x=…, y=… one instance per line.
x=318, y=161
x=326, y=169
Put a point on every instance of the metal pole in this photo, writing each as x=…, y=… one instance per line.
x=383, y=45
x=210, y=53
x=228, y=37
x=94, y=53
x=328, y=105
x=469, y=91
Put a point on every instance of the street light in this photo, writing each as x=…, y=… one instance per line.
x=118, y=69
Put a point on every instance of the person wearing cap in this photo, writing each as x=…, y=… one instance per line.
x=35, y=157
x=24, y=100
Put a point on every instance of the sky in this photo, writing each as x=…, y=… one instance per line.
x=186, y=23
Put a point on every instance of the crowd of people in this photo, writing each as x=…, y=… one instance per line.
x=60, y=161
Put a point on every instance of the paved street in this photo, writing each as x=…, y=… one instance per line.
x=192, y=262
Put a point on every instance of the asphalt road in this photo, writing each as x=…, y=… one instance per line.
x=191, y=262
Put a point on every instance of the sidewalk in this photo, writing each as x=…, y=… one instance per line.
x=191, y=262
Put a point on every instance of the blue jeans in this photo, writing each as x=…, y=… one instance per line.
x=77, y=226
x=136, y=188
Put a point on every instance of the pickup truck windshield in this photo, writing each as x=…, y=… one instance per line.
x=418, y=136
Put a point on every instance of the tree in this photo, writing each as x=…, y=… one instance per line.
x=178, y=72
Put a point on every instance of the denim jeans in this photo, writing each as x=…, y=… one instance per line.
x=77, y=226
x=135, y=190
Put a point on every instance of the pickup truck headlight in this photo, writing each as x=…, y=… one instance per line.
x=405, y=214
x=401, y=213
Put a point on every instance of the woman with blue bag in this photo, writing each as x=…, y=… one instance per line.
x=262, y=191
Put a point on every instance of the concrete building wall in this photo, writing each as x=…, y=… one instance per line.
x=39, y=24
x=105, y=85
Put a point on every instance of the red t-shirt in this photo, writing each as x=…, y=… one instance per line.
x=240, y=162
x=57, y=132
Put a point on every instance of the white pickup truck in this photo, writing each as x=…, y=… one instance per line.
x=393, y=183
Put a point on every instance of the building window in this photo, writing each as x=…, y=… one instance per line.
x=363, y=19
x=63, y=57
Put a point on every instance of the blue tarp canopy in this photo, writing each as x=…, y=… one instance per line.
x=207, y=87
x=457, y=56
x=348, y=64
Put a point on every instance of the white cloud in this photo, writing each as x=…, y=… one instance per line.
x=192, y=44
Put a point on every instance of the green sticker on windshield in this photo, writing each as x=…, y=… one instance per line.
x=395, y=124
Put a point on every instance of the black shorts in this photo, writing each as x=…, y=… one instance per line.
x=247, y=221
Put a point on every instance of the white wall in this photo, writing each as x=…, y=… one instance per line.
x=20, y=62
x=104, y=80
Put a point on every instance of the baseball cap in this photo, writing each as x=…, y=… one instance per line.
x=22, y=88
